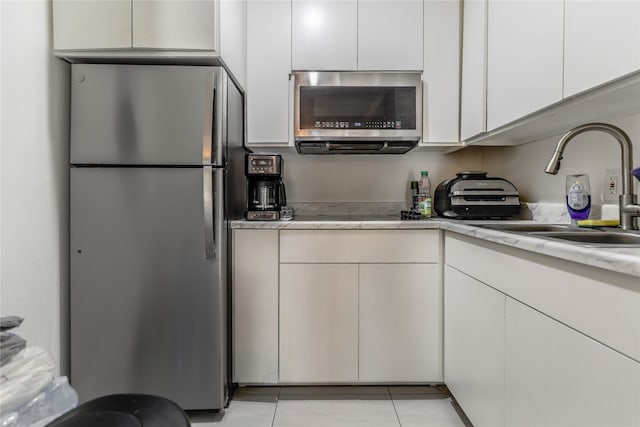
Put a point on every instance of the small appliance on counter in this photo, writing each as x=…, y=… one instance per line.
x=474, y=195
x=266, y=196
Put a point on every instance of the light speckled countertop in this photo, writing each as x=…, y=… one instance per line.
x=618, y=259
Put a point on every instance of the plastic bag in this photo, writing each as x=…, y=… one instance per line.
x=24, y=376
x=10, y=345
x=55, y=399
x=10, y=322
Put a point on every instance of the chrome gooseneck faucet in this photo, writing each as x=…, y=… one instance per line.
x=629, y=209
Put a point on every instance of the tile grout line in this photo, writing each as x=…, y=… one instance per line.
x=273, y=420
x=394, y=406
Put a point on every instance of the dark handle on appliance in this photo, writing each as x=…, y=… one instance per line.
x=207, y=199
x=209, y=127
x=356, y=146
x=484, y=193
x=284, y=194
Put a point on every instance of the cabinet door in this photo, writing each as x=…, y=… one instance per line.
x=474, y=327
x=318, y=323
x=473, y=108
x=324, y=34
x=390, y=34
x=174, y=24
x=255, y=306
x=268, y=68
x=557, y=376
x=524, y=58
x=99, y=24
x=441, y=71
x=602, y=42
x=400, y=318
x=359, y=246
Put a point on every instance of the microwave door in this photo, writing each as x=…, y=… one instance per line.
x=333, y=106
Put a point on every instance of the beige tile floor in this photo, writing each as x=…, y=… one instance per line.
x=344, y=406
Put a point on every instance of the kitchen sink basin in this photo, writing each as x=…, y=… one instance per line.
x=536, y=228
x=593, y=237
x=604, y=238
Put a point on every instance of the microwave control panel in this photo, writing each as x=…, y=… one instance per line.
x=359, y=124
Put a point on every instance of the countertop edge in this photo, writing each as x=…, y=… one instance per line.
x=619, y=260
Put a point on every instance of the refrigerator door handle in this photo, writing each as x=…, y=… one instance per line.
x=209, y=129
x=207, y=198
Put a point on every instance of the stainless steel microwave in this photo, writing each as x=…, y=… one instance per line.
x=357, y=112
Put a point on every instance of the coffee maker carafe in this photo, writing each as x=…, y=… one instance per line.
x=265, y=189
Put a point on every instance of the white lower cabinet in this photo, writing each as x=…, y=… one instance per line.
x=318, y=323
x=337, y=306
x=254, y=305
x=474, y=347
x=400, y=314
x=522, y=350
x=390, y=283
x=556, y=376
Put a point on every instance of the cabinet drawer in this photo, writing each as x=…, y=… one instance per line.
x=601, y=304
x=357, y=246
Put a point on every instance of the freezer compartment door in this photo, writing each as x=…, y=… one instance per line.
x=147, y=114
x=148, y=284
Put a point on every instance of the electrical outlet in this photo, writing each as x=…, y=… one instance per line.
x=611, y=183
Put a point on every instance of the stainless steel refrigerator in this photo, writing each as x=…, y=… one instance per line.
x=156, y=173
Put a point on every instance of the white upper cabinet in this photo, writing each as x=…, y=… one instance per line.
x=268, y=68
x=117, y=24
x=390, y=34
x=92, y=24
x=525, y=55
x=473, y=108
x=347, y=35
x=602, y=42
x=441, y=74
x=525, y=61
x=173, y=24
x=324, y=34
x=169, y=29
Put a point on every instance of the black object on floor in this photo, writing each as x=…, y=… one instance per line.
x=125, y=410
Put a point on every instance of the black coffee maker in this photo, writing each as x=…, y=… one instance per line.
x=265, y=189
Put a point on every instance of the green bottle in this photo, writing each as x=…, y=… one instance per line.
x=424, y=194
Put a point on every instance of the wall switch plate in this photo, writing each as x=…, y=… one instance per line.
x=611, y=188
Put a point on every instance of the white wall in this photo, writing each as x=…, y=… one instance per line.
x=34, y=177
x=376, y=178
x=369, y=178
x=591, y=153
